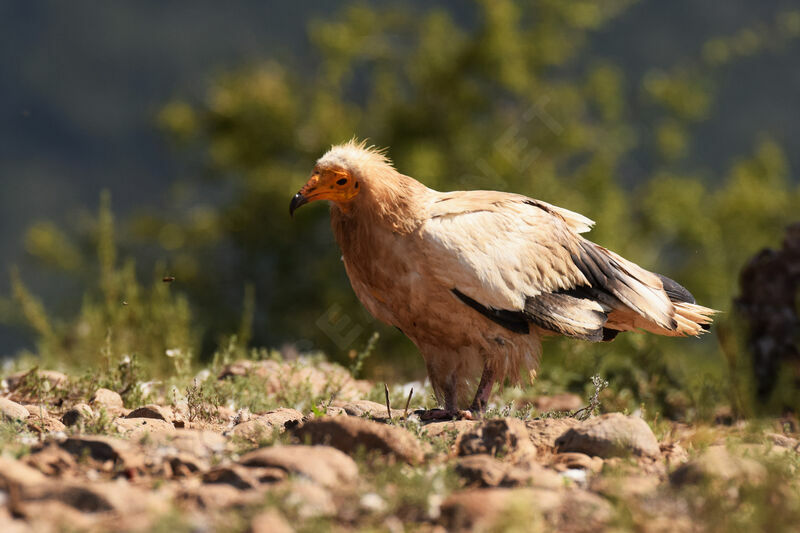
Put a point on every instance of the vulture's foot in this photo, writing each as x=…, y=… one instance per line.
x=445, y=414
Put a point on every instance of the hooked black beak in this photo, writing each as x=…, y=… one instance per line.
x=297, y=200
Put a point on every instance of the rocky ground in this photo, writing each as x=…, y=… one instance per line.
x=89, y=463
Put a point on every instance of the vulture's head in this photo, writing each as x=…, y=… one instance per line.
x=344, y=176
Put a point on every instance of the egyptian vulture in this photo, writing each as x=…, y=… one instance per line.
x=476, y=278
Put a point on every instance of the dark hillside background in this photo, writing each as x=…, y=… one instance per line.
x=681, y=122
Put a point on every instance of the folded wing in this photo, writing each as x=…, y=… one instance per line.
x=519, y=260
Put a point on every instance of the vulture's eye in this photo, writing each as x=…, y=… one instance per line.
x=341, y=181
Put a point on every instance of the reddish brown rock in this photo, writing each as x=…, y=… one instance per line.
x=17, y=476
x=52, y=515
x=233, y=475
x=209, y=496
x=51, y=460
x=543, y=432
x=504, y=437
x=568, y=460
x=270, y=521
x=184, y=464
x=351, y=434
x=485, y=471
x=103, y=448
x=450, y=429
x=367, y=408
x=45, y=425
x=321, y=464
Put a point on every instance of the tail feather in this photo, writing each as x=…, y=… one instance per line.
x=693, y=319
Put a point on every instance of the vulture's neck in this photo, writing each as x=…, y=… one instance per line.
x=391, y=202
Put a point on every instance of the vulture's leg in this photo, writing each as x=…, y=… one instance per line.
x=484, y=390
x=450, y=410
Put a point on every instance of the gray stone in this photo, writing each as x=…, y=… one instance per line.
x=611, y=435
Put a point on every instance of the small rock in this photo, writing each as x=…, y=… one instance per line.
x=483, y=470
x=270, y=521
x=218, y=496
x=450, y=429
x=367, y=408
x=151, y=411
x=16, y=475
x=79, y=412
x=203, y=444
x=531, y=475
x=487, y=509
x=51, y=460
x=109, y=399
x=135, y=428
x=350, y=434
x=53, y=377
x=184, y=464
x=611, y=435
x=234, y=475
x=52, y=515
x=263, y=426
x=13, y=410
x=118, y=496
x=506, y=437
x=572, y=460
x=718, y=463
x=543, y=432
x=45, y=425
x=36, y=410
x=104, y=449
x=322, y=464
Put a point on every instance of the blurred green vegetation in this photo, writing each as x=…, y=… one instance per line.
x=513, y=102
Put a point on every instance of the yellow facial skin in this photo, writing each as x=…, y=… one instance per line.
x=332, y=184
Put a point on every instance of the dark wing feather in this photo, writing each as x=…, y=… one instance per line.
x=569, y=313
